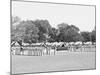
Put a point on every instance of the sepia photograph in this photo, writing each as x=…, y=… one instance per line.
x=52, y=37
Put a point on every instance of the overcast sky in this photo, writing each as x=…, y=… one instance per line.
x=81, y=16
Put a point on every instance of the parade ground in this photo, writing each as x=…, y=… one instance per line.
x=62, y=61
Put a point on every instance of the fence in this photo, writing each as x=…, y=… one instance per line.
x=32, y=51
x=42, y=51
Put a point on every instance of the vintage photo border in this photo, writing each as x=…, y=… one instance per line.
x=46, y=3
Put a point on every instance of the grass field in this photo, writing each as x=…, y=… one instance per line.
x=60, y=62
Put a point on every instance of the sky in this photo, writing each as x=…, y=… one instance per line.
x=81, y=16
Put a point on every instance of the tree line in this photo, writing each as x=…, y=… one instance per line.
x=32, y=31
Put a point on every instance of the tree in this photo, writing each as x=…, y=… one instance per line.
x=86, y=36
x=15, y=21
x=26, y=31
x=93, y=36
x=53, y=35
x=30, y=31
x=44, y=29
x=68, y=33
